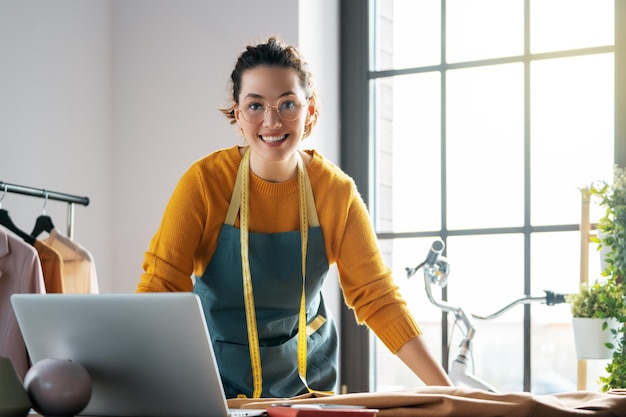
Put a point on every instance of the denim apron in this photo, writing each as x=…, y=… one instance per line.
x=275, y=264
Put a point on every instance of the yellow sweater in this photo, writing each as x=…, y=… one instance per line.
x=187, y=236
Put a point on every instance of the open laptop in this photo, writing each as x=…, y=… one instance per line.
x=147, y=354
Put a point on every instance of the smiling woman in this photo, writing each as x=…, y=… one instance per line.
x=260, y=225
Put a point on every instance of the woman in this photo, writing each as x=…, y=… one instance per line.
x=259, y=225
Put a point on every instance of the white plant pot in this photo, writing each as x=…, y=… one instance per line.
x=590, y=339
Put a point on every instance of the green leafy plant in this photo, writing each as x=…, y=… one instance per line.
x=613, y=227
x=598, y=300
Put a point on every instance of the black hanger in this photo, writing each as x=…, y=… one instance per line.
x=42, y=224
x=6, y=221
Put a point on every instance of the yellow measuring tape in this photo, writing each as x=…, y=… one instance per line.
x=253, y=337
x=304, y=238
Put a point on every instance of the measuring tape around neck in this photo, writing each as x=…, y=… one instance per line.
x=253, y=337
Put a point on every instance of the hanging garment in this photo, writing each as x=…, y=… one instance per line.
x=52, y=267
x=79, y=269
x=20, y=272
x=275, y=262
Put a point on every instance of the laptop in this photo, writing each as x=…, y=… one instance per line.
x=147, y=354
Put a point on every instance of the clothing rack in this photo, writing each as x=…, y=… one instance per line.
x=48, y=195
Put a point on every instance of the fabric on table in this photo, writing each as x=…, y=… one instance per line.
x=462, y=402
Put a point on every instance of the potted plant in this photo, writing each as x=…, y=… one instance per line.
x=612, y=238
x=594, y=311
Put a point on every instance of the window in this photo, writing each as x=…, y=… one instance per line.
x=485, y=119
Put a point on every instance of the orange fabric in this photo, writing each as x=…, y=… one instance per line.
x=460, y=402
x=52, y=267
x=79, y=272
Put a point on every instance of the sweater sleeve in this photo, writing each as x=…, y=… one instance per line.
x=368, y=284
x=168, y=263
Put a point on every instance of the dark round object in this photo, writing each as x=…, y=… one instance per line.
x=58, y=387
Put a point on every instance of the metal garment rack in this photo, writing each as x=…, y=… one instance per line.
x=48, y=195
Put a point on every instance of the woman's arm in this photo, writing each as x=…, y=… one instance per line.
x=416, y=355
x=367, y=283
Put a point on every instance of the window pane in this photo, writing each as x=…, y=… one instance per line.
x=486, y=274
x=571, y=133
x=487, y=271
x=554, y=363
x=570, y=24
x=408, y=34
x=555, y=266
x=499, y=352
x=482, y=29
x=389, y=372
x=555, y=263
x=407, y=146
x=485, y=147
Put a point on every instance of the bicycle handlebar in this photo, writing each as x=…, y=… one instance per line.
x=436, y=269
x=551, y=298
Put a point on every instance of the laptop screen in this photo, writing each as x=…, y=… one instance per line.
x=147, y=354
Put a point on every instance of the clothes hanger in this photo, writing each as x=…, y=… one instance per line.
x=6, y=221
x=43, y=222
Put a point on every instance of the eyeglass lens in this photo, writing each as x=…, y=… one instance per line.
x=255, y=111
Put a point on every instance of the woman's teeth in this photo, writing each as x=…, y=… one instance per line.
x=273, y=138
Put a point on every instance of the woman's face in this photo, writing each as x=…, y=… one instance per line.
x=268, y=91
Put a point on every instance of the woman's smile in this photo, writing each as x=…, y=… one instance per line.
x=272, y=138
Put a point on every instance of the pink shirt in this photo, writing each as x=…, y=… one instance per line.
x=20, y=272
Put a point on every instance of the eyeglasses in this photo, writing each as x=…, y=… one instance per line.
x=288, y=108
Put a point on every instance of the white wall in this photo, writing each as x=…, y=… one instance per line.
x=114, y=99
x=55, y=115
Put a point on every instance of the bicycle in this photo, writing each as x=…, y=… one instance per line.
x=436, y=270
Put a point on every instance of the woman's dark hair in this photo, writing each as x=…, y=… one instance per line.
x=272, y=53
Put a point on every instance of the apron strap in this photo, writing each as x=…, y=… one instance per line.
x=235, y=199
